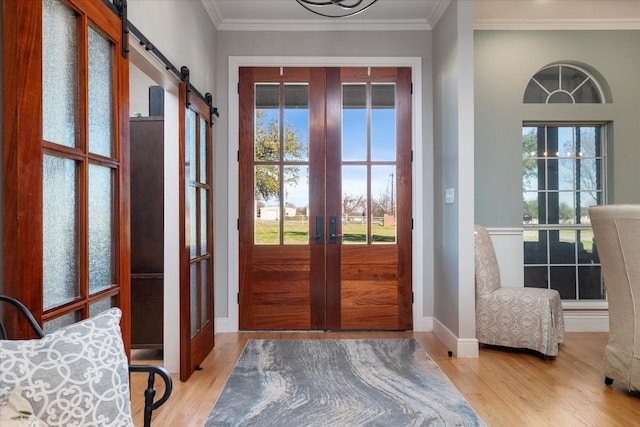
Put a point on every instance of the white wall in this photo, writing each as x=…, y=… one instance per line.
x=454, y=290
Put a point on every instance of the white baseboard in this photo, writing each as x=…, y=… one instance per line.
x=586, y=320
x=461, y=347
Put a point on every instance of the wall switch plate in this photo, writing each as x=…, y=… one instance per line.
x=449, y=196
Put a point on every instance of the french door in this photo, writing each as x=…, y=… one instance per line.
x=325, y=198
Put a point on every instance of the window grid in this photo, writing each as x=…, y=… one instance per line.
x=563, y=174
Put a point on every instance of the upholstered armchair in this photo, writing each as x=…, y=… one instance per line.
x=616, y=230
x=514, y=317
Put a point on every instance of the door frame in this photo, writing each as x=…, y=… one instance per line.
x=419, y=254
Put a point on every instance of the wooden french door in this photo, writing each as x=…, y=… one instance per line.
x=325, y=198
x=196, y=235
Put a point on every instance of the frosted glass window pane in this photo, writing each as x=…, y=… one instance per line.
x=64, y=320
x=59, y=73
x=100, y=94
x=60, y=231
x=102, y=305
x=193, y=303
x=203, y=151
x=190, y=141
x=101, y=228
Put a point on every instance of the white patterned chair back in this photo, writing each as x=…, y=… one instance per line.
x=486, y=264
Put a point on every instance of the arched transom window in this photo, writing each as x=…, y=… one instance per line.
x=563, y=84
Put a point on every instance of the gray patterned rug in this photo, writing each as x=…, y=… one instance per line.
x=387, y=382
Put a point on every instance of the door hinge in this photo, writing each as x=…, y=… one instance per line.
x=412, y=295
x=238, y=223
x=238, y=297
x=412, y=223
x=411, y=155
x=411, y=88
x=238, y=88
x=238, y=155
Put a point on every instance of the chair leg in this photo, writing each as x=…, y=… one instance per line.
x=608, y=381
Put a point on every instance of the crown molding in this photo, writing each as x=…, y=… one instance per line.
x=557, y=24
x=213, y=12
x=323, y=25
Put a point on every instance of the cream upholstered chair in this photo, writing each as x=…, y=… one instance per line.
x=616, y=230
x=515, y=317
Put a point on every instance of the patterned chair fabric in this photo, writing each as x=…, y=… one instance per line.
x=515, y=317
x=616, y=230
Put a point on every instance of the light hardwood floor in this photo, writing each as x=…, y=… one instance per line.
x=505, y=387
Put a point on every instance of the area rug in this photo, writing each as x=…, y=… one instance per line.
x=352, y=382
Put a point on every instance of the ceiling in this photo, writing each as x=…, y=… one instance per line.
x=404, y=15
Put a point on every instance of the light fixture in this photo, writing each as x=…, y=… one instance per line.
x=336, y=8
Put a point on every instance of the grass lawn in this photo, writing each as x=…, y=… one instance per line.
x=297, y=232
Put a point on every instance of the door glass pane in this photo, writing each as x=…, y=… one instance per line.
x=267, y=205
x=190, y=214
x=383, y=122
x=203, y=221
x=296, y=204
x=383, y=204
x=203, y=151
x=204, y=292
x=354, y=122
x=60, y=256
x=59, y=73
x=190, y=143
x=101, y=228
x=64, y=320
x=102, y=305
x=267, y=122
x=100, y=94
x=193, y=300
x=354, y=204
x=296, y=121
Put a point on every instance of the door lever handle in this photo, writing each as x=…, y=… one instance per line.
x=319, y=229
x=333, y=229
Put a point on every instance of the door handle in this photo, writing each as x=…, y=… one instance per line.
x=319, y=229
x=333, y=229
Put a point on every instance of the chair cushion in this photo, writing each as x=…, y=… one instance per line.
x=75, y=376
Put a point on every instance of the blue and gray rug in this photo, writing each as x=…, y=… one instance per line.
x=370, y=382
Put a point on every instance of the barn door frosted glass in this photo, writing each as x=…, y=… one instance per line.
x=61, y=258
x=60, y=223
x=59, y=73
x=100, y=94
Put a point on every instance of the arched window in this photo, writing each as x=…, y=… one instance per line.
x=563, y=173
x=563, y=84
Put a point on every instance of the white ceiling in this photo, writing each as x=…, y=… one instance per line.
x=287, y=15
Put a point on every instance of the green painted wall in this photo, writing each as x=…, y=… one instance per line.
x=504, y=63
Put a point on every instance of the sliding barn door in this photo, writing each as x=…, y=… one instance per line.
x=65, y=160
x=196, y=234
x=325, y=198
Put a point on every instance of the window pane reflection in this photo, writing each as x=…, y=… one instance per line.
x=354, y=204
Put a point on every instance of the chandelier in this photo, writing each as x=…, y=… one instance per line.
x=336, y=8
